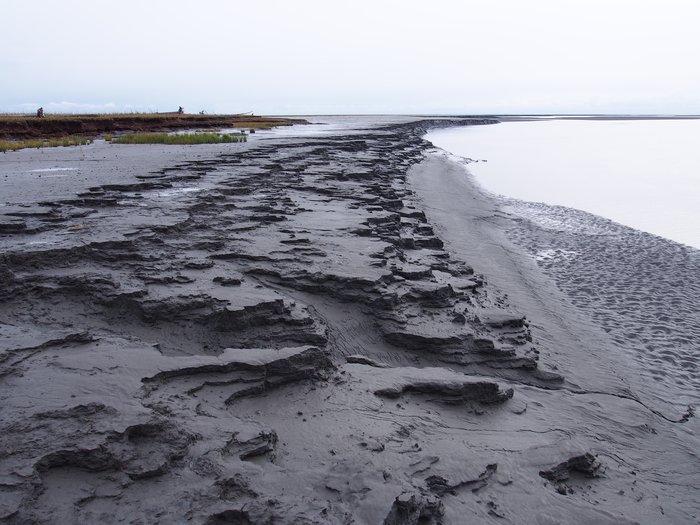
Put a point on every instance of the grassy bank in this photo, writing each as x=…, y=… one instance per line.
x=185, y=138
x=23, y=127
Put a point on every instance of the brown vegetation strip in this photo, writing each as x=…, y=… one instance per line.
x=29, y=127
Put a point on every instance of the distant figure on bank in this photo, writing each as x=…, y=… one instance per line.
x=180, y=110
x=40, y=113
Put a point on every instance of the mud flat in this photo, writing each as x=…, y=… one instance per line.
x=306, y=330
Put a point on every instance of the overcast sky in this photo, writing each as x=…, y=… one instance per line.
x=357, y=56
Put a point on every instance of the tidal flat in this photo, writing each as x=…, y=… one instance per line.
x=334, y=328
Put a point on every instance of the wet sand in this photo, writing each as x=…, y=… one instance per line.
x=341, y=329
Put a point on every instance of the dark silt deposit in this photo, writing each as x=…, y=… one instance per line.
x=315, y=330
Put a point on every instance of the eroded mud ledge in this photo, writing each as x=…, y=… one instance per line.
x=277, y=334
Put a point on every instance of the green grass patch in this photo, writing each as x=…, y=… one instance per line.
x=12, y=145
x=184, y=138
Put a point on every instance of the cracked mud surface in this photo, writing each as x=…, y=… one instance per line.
x=278, y=332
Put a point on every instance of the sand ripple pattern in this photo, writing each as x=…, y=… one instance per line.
x=642, y=289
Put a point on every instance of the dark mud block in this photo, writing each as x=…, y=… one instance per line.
x=251, y=443
x=415, y=509
x=9, y=226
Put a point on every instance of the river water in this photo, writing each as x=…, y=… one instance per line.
x=641, y=173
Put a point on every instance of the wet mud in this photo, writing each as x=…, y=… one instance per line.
x=280, y=333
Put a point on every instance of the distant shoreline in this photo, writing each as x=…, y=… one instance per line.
x=511, y=118
x=22, y=127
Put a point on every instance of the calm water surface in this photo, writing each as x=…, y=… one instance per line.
x=320, y=125
x=641, y=173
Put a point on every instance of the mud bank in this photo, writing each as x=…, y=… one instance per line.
x=288, y=331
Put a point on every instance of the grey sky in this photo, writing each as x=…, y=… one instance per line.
x=380, y=56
